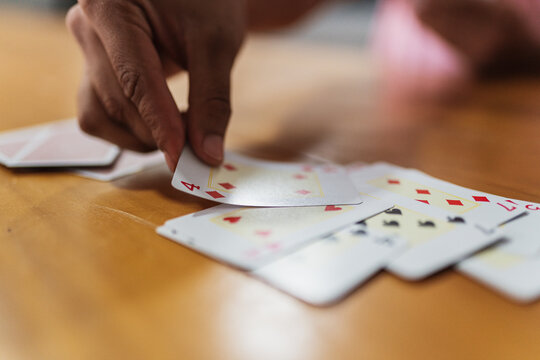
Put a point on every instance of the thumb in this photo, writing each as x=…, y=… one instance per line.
x=209, y=103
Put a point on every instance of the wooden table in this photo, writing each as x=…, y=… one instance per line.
x=84, y=276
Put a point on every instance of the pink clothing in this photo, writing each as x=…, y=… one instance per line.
x=412, y=56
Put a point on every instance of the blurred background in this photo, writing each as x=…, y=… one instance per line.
x=430, y=50
x=43, y=4
x=346, y=23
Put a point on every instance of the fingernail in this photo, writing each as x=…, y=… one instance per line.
x=213, y=146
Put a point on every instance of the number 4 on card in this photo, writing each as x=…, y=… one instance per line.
x=190, y=187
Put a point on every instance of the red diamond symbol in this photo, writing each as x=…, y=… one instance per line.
x=423, y=191
x=215, y=194
x=303, y=192
x=299, y=176
x=229, y=167
x=424, y=201
x=332, y=208
x=232, y=219
x=480, y=198
x=454, y=202
x=394, y=182
x=227, y=186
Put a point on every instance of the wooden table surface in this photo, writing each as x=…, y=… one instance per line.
x=84, y=276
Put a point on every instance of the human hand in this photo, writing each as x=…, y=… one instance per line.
x=495, y=36
x=131, y=47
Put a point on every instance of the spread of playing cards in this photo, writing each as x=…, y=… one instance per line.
x=317, y=230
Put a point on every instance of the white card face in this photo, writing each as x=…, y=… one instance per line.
x=251, y=237
x=438, y=236
x=128, y=163
x=404, y=186
x=9, y=149
x=248, y=182
x=57, y=144
x=513, y=266
x=531, y=207
x=433, y=243
x=13, y=141
x=523, y=235
x=328, y=269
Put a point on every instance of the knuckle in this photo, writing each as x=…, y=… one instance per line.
x=90, y=7
x=74, y=17
x=154, y=127
x=132, y=84
x=76, y=22
x=120, y=11
x=88, y=4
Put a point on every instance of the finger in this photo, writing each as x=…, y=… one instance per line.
x=93, y=119
x=127, y=38
x=210, y=61
x=103, y=78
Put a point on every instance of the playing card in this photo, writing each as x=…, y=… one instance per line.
x=57, y=144
x=523, y=235
x=513, y=266
x=408, y=186
x=514, y=204
x=355, y=166
x=249, y=182
x=251, y=237
x=433, y=243
x=128, y=163
x=437, y=237
x=9, y=149
x=326, y=270
x=13, y=141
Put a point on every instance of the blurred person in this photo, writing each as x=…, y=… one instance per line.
x=132, y=46
x=429, y=46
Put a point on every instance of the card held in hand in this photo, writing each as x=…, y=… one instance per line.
x=245, y=181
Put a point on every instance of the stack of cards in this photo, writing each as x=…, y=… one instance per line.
x=298, y=207
x=62, y=145
x=319, y=232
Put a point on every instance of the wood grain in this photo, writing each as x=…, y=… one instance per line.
x=84, y=276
